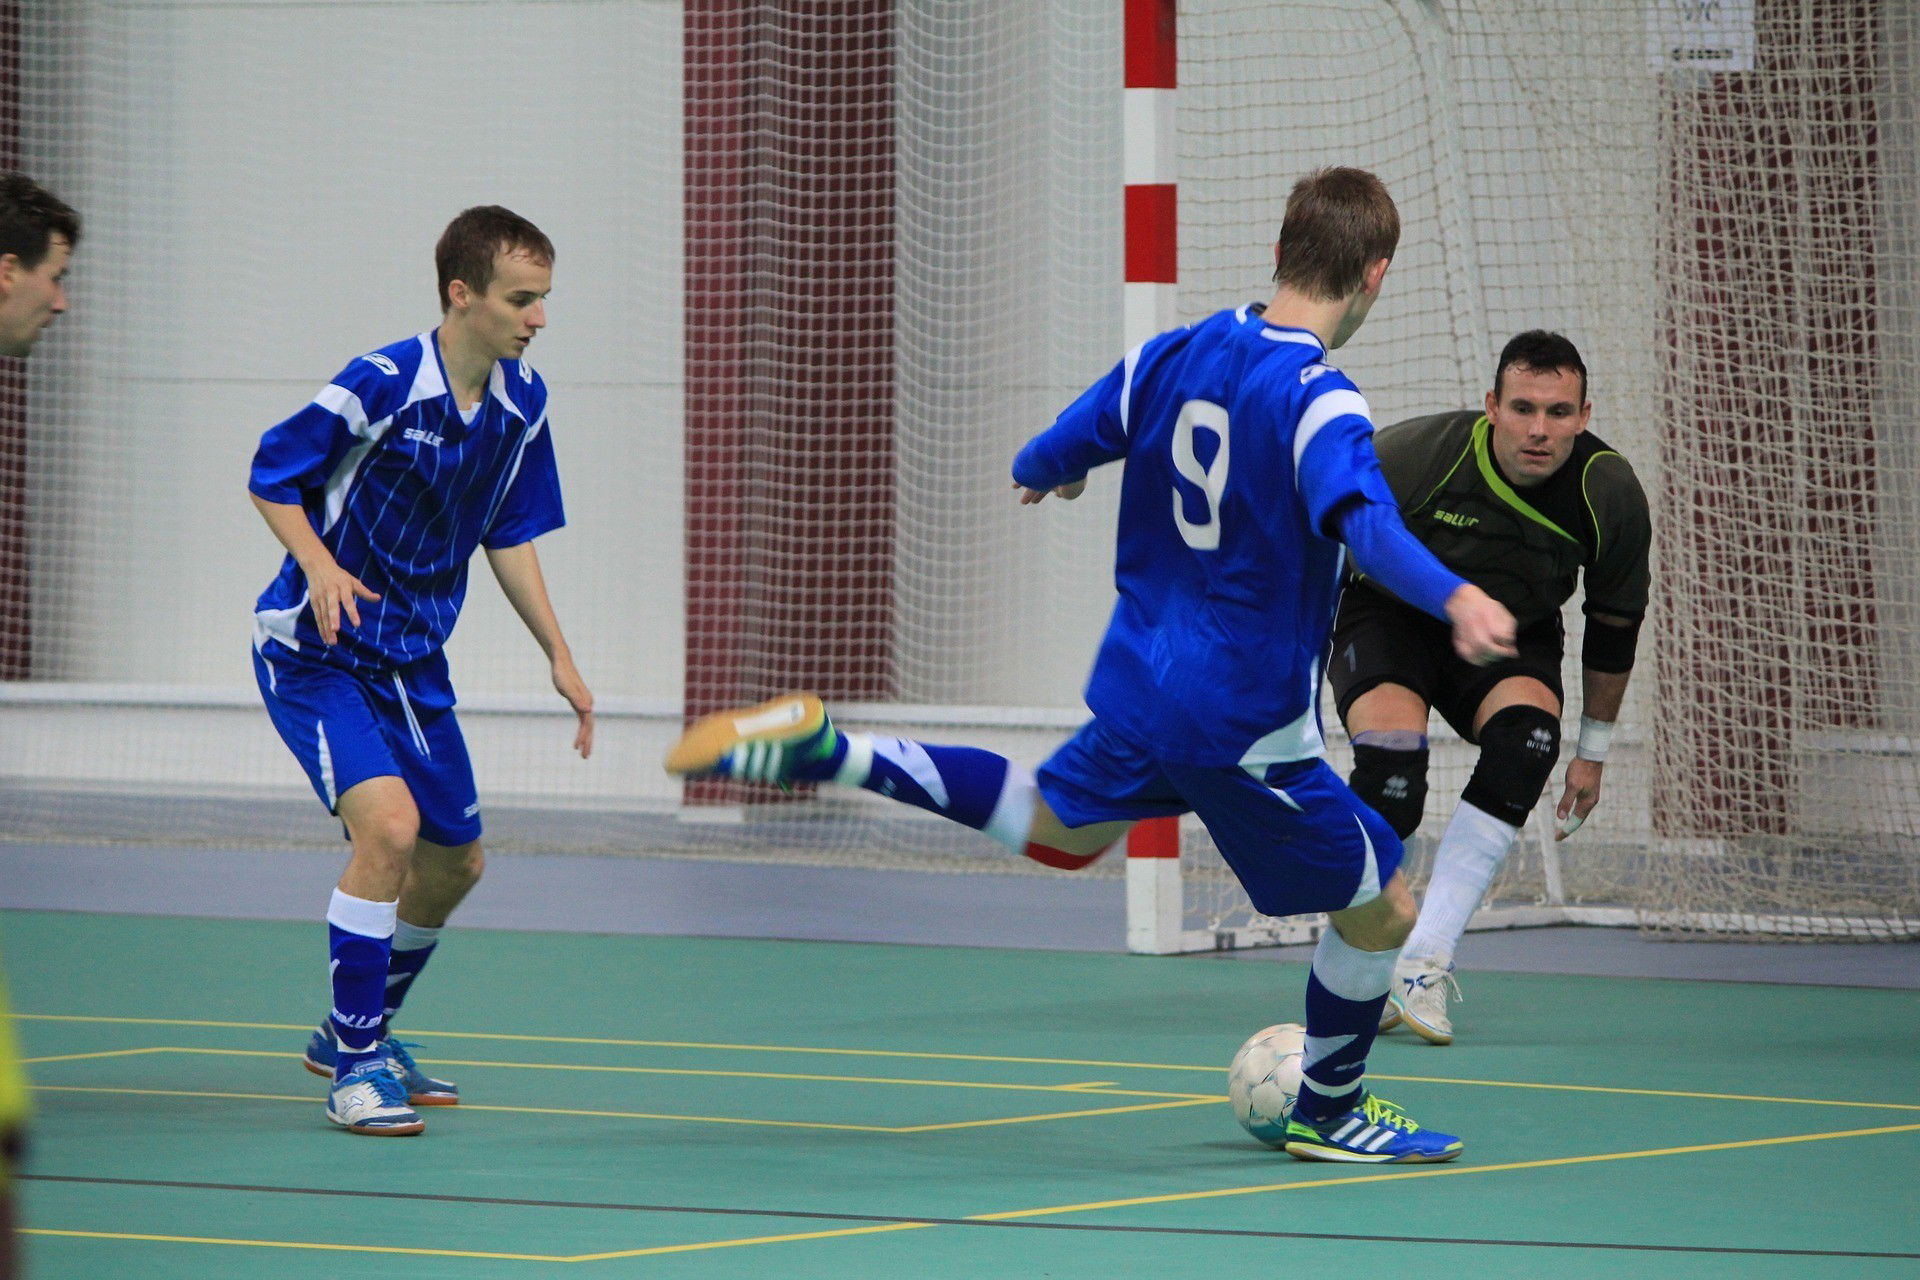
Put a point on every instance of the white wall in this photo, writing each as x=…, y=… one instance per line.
x=263, y=185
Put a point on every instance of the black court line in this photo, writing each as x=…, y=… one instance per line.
x=814, y=1215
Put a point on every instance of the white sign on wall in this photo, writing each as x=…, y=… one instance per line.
x=1700, y=35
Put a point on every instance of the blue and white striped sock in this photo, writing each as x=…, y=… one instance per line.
x=360, y=940
x=1346, y=990
x=412, y=947
x=976, y=788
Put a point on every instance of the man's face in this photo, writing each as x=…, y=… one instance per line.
x=513, y=309
x=30, y=297
x=1535, y=417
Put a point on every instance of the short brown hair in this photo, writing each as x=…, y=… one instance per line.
x=472, y=240
x=1338, y=223
x=1540, y=351
x=30, y=217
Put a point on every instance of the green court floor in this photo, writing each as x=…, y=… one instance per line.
x=672, y=1107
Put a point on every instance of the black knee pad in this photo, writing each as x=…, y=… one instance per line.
x=1518, y=748
x=1390, y=774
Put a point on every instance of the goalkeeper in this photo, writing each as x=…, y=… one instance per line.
x=1520, y=500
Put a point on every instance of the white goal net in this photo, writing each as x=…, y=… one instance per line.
x=822, y=268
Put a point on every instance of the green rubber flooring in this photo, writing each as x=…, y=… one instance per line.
x=679, y=1108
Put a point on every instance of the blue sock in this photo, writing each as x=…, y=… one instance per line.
x=976, y=788
x=360, y=939
x=1346, y=990
x=412, y=947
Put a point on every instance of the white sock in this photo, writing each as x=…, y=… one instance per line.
x=414, y=937
x=1470, y=855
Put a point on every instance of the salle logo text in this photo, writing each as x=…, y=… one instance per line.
x=423, y=436
x=1457, y=521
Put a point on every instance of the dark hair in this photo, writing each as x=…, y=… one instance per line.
x=1542, y=352
x=30, y=217
x=471, y=241
x=1338, y=223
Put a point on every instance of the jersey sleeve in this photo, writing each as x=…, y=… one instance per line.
x=1333, y=459
x=1090, y=431
x=296, y=456
x=531, y=504
x=1618, y=580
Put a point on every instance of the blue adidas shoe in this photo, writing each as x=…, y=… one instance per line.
x=1373, y=1132
x=423, y=1090
x=788, y=739
x=372, y=1099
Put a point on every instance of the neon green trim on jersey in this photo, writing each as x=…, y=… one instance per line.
x=1588, y=498
x=1501, y=488
x=1421, y=505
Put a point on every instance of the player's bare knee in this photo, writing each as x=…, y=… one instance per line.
x=1390, y=774
x=1382, y=922
x=1518, y=748
x=449, y=866
x=471, y=864
x=385, y=834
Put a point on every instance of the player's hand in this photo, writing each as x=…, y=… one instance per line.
x=333, y=591
x=1582, y=794
x=1482, y=627
x=1066, y=492
x=568, y=684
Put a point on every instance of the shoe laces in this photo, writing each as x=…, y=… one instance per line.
x=1441, y=980
x=397, y=1052
x=385, y=1080
x=1378, y=1110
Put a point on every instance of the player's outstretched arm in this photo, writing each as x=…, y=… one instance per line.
x=518, y=571
x=331, y=589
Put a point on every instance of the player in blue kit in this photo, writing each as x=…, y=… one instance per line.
x=381, y=489
x=1249, y=462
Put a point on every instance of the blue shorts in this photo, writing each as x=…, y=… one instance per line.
x=344, y=730
x=1298, y=839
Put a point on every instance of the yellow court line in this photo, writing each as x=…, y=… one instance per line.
x=104, y=1053
x=734, y=1244
x=963, y=1057
x=290, y=1244
x=1087, y=1086
x=1652, y=1093
x=1011, y=1214
x=655, y=1115
x=1060, y=1115
x=632, y=1044
x=1096, y=1088
x=1444, y=1171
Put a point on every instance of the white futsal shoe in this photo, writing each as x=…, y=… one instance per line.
x=1421, y=989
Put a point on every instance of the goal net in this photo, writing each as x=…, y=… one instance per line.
x=1716, y=204
x=821, y=270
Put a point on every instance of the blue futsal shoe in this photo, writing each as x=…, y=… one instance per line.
x=372, y=1099
x=422, y=1089
x=786, y=740
x=1372, y=1132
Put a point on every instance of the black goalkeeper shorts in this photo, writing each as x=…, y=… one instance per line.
x=1379, y=640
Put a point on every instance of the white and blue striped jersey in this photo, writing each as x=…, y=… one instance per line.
x=402, y=488
x=1243, y=448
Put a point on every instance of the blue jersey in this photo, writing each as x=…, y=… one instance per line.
x=402, y=488
x=1243, y=448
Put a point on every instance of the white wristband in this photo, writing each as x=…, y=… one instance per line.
x=1595, y=737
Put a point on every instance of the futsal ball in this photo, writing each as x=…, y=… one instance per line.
x=1264, y=1081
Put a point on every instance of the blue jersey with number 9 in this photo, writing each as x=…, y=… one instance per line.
x=1242, y=446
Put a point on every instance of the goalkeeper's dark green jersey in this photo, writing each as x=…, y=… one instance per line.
x=1523, y=547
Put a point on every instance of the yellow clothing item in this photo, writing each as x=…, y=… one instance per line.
x=14, y=1099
